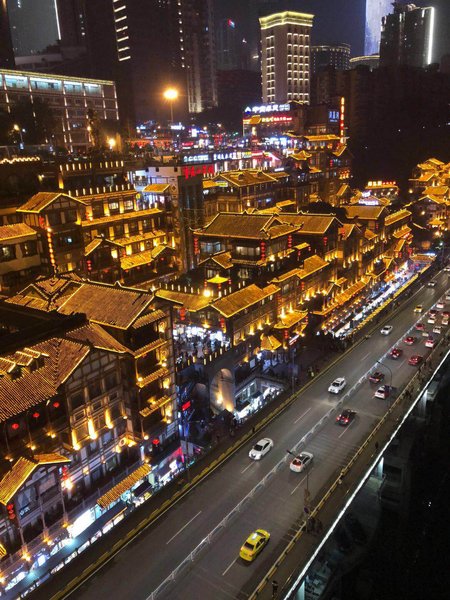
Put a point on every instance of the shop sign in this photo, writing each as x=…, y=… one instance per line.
x=190, y=158
x=236, y=155
x=189, y=172
x=268, y=108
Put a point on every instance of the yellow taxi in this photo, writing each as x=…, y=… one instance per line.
x=254, y=544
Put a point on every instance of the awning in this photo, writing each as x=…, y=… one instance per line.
x=124, y=485
x=141, y=489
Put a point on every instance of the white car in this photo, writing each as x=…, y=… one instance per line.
x=386, y=330
x=447, y=269
x=301, y=462
x=437, y=329
x=447, y=297
x=261, y=448
x=431, y=319
x=337, y=386
x=440, y=305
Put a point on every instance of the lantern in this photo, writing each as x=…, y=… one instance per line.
x=289, y=241
x=11, y=511
x=263, y=250
x=325, y=241
x=286, y=334
x=182, y=313
x=196, y=246
x=223, y=324
x=89, y=265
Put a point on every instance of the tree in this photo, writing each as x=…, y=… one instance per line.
x=37, y=118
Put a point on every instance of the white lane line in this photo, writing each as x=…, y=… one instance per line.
x=184, y=527
x=347, y=428
x=305, y=413
x=228, y=568
x=299, y=484
x=364, y=357
x=248, y=467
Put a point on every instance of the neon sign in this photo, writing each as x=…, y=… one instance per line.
x=189, y=172
x=268, y=108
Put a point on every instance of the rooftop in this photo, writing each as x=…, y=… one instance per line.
x=17, y=230
x=244, y=298
x=42, y=200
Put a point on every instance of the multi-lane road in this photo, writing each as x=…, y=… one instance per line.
x=217, y=572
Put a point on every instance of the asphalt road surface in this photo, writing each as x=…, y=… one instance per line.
x=218, y=573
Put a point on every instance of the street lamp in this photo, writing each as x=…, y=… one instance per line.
x=111, y=143
x=171, y=94
x=389, y=369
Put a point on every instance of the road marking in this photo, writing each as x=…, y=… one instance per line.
x=347, y=428
x=305, y=413
x=184, y=527
x=248, y=467
x=299, y=484
x=368, y=354
x=228, y=568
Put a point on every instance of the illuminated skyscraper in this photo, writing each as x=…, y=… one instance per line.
x=375, y=11
x=407, y=36
x=6, y=50
x=285, y=45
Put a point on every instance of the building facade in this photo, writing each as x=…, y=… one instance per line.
x=330, y=55
x=285, y=43
x=375, y=11
x=69, y=100
x=407, y=36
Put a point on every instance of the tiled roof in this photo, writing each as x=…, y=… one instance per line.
x=290, y=318
x=140, y=237
x=191, y=302
x=252, y=294
x=42, y=200
x=369, y=235
x=126, y=216
x=223, y=259
x=13, y=480
x=300, y=155
x=343, y=190
x=151, y=317
x=364, y=212
x=107, y=304
x=327, y=137
x=248, y=177
x=269, y=343
x=153, y=405
x=397, y=216
x=98, y=241
x=311, y=265
x=309, y=223
x=247, y=226
x=17, y=230
x=96, y=336
x=120, y=488
x=436, y=190
x=157, y=188
x=340, y=150
x=144, y=258
x=402, y=233
x=346, y=230
x=158, y=374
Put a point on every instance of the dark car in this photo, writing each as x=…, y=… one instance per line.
x=395, y=353
x=415, y=360
x=355, y=529
x=343, y=541
x=346, y=417
x=376, y=377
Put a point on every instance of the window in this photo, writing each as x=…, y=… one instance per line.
x=133, y=228
x=146, y=225
x=128, y=205
x=111, y=380
x=118, y=230
x=28, y=248
x=94, y=389
x=77, y=399
x=70, y=215
x=97, y=210
x=7, y=253
x=113, y=207
x=54, y=218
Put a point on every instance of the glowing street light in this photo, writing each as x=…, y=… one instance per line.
x=19, y=130
x=111, y=143
x=171, y=94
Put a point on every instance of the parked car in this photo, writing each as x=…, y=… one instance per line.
x=376, y=377
x=386, y=330
x=395, y=353
x=337, y=386
x=415, y=360
x=355, y=529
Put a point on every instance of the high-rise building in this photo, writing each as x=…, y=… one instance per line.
x=330, y=55
x=6, y=49
x=33, y=25
x=375, y=11
x=229, y=46
x=407, y=36
x=285, y=45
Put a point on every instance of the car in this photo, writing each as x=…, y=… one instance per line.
x=445, y=314
x=376, y=377
x=418, y=308
x=383, y=392
x=337, y=386
x=355, y=529
x=440, y=305
x=433, y=312
x=447, y=269
x=386, y=330
x=431, y=319
x=415, y=360
x=253, y=545
x=346, y=417
x=430, y=342
x=343, y=541
x=437, y=329
x=410, y=340
x=431, y=284
x=447, y=297
x=261, y=448
x=395, y=353
x=420, y=326
x=301, y=462
x=444, y=321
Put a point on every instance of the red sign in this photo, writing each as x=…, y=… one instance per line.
x=189, y=172
x=186, y=405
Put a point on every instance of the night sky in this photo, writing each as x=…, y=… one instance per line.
x=336, y=20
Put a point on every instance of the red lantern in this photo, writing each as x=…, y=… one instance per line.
x=89, y=265
x=15, y=426
x=56, y=404
x=36, y=415
x=263, y=250
x=196, y=246
x=303, y=286
x=11, y=511
x=64, y=473
x=286, y=334
x=325, y=241
x=182, y=313
x=289, y=241
x=223, y=324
